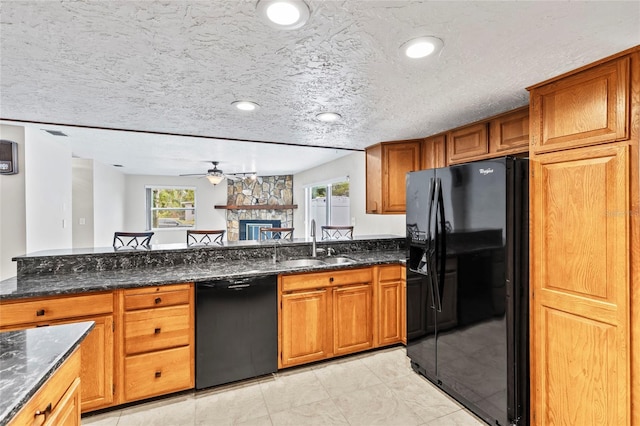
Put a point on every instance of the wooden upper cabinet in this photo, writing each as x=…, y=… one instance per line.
x=588, y=108
x=509, y=133
x=387, y=166
x=433, y=153
x=467, y=143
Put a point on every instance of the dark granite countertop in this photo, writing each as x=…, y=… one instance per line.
x=52, y=284
x=29, y=357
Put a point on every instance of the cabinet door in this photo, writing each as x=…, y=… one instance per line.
x=580, y=286
x=467, y=143
x=433, y=153
x=397, y=160
x=304, y=325
x=509, y=133
x=67, y=413
x=352, y=319
x=389, y=312
x=96, y=373
x=587, y=108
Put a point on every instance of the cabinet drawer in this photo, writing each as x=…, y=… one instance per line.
x=390, y=273
x=157, y=296
x=158, y=373
x=152, y=329
x=325, y=279
x=49, y=396
x=49, y=309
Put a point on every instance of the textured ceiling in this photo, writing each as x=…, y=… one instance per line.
x=176, y=66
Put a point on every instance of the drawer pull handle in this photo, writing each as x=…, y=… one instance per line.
x=44, y=413
x=158, y=300
x=40, y=312
x=158, y=374
x=331, y=279
x=157, y=330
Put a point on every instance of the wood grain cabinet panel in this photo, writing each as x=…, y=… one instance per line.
x=353, y=319
x=467, y=143
x=579, y=281
x=590, y=107
x=509, y=133
x=157, y=354
x=97, y=349
x=304, y=324
x=386, y=168
x=389, y=305
x=434, y=153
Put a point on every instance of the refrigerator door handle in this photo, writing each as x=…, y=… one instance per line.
x=443, y=247
x=435, y=276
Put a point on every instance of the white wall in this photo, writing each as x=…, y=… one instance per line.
x=207, y=196
x=13, y=228
x=48, y=191
x=109, y=187
x=82, y=202
x=352, y=165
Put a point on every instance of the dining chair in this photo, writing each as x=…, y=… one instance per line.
x=276, y=234
x=131, y=239
x=204, y=237
x=337, y=232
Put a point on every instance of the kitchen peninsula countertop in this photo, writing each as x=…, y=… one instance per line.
x=29, y=357
x=79, y=281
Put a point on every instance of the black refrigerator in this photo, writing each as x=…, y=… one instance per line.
x=467, y=284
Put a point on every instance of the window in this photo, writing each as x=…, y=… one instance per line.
x=328, y=203
x=171, y=207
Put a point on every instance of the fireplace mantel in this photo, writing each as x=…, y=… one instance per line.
x=258, y=207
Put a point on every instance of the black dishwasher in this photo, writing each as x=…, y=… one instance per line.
x=236, y=330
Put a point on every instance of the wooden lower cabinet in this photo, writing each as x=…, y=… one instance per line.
x=304, y=323
x=580, y=283
x=324, y=314
x=389, y=305
x=97, y=349
x=352, y=319
x=57, y=402
x=157, y=342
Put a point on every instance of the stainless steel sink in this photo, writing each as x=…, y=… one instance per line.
x=337, y=260
x=301, y=262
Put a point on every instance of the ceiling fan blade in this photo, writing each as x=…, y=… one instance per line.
x=194, y=174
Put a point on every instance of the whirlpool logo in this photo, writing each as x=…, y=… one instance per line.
x=486, y=171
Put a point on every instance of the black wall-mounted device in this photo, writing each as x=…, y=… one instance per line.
x=8, y=157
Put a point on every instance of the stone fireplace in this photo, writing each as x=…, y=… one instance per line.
x=267, y=198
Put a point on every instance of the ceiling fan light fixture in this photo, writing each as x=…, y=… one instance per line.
x=245, y=105
x=284, y=14
x=215, y=179
x=328, y=117
x=421, y=47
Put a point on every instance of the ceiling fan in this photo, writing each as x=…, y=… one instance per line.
x=216, y=175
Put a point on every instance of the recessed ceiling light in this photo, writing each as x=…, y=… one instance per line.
x=421, y=47
x=328, y=117
x=245, y=105
x=284, y=14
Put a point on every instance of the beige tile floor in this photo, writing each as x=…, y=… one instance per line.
x=376, y=388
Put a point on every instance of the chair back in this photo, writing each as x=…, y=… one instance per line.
x=276, y=234
x=131, y=239
x=202, y=237
x=337, y=232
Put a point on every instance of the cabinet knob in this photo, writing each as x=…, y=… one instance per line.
x=40, y=312
x=331, y=279
x=45, y=412
x=158, y=300
x=158, y=374
x=156, y=331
